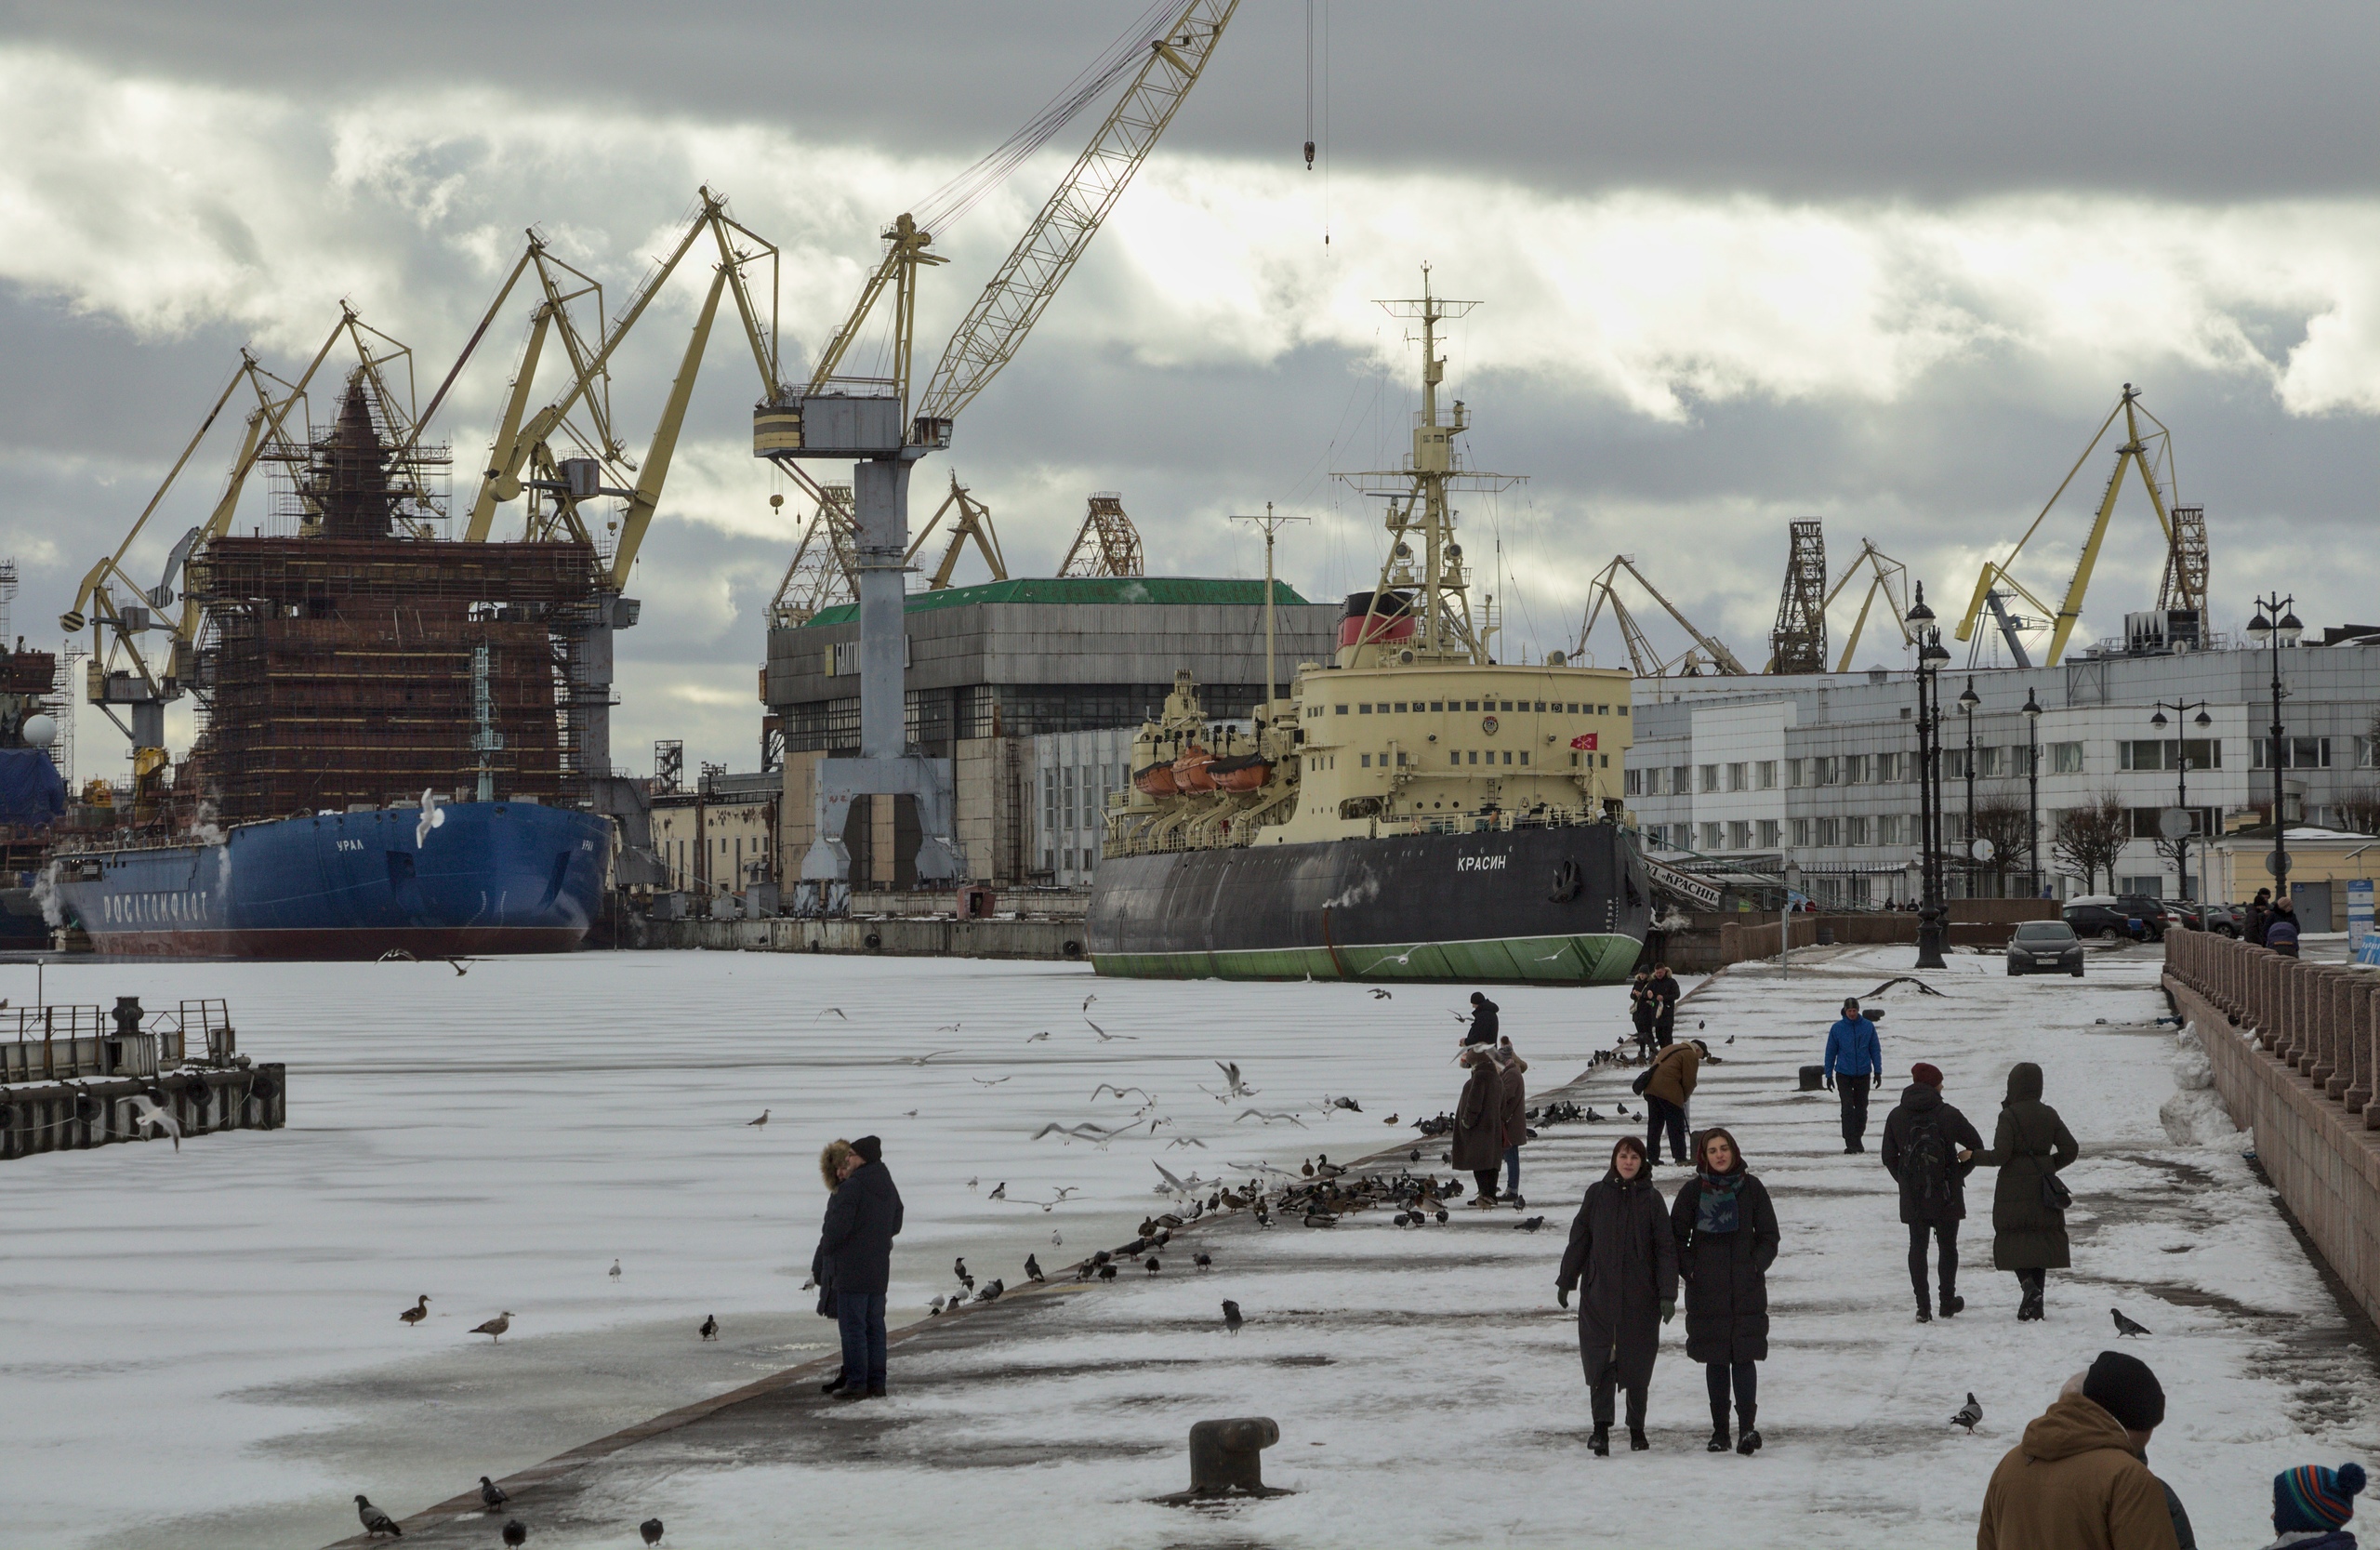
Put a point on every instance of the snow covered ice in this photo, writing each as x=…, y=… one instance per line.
x=202, y=1349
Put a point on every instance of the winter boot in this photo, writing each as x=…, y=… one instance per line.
x=1720, y=1440
x=843, y=1381
x=1952, y=1303
x=1925, y=1308
x=1748, y=1438
x=1636, y=1440
x=1600, y=1443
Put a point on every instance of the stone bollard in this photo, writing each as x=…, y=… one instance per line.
x=1226, y=1459
x=2351, y=1051
x=2367, y=1039
x=2322, y=1063
x=2338, y=1059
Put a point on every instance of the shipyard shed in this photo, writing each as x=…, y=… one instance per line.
x=994, y=666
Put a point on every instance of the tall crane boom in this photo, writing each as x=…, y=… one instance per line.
x=1008, y=307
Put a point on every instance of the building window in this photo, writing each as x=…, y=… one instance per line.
x=1768, y=834
x=2066, y=759
x=1891, y=767
x=1855, y=769
x=1632, y=783
x=1802, y=831
x=1457, y=758
x=1710, y=837
x=1524, y=757
x=1793, y=773
x=1508, y=758
x=1736, y=777
x=1830, y=832
x=1765, y=774
x=1368, y=761
x=1710, y=778
x=1827, y=771
x=1739, y=835
x=1990, y=760
x=2297, y=753
x=1892, y=828
x=1855, y=829
x=1679, y=785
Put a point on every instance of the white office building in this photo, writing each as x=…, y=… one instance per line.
x=1815, y=775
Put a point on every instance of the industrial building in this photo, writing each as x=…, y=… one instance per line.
x=1815, y=775
x=993, y=667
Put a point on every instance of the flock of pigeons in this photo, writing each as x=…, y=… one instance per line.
x=494, y=1498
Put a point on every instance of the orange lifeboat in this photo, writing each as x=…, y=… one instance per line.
x=1248, y=772
x=1190, y=770
x=1155, y=780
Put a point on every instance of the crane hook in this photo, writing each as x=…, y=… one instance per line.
x=1309, y=155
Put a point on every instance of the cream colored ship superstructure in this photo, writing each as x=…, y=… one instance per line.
x=1412, y=809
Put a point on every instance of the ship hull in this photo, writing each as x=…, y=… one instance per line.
x=491, y=878
x=1566, y=906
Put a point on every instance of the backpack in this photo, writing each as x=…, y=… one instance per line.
x=1925, y=1164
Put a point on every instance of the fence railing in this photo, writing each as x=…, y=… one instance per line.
x=57, y=1043
x=2321, y=1020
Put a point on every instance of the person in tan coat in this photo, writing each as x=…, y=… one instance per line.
x=1479, y=1121
x=1513, y=1094
x=2080, y=1479
x=1667, y=1084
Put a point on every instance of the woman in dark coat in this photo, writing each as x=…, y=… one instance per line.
x=822, y=1275
x=2029, y=1146
x=1479, y=1121
x=1621, y=1244
x=1727, y=1240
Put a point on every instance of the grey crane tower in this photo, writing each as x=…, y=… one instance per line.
x=866, y=429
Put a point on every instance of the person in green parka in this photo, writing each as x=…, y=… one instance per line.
x=2030, y=1146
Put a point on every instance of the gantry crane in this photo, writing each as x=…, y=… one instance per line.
x=973, y=520
x=847, y=419
x=2186, y=564
x=1107, y=543
x=1887, y=578
x=121, y=672
x=1644, y=659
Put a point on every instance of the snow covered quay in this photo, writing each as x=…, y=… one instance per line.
x=496, y=1142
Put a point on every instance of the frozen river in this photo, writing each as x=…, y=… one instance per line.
x=202, y=1348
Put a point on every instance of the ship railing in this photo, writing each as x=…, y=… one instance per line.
x=59, y=1042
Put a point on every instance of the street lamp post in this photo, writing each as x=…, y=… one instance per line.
x=1968, y=700
x=2182, y=778
x=1931, y=654
x=2032, y=708
x=2276, y=625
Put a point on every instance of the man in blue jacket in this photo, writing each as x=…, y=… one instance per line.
x=1854, y=1059
x=863, y=1217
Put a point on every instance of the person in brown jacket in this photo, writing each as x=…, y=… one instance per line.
x=1515, y=1110
x=1479, y=1121
x=1667, y=1084
x=2078, y=1481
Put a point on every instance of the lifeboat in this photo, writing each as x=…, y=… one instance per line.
x=1245, y=772
x=1190, y=770
x=1156, y=780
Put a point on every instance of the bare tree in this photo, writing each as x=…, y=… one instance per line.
x=2002, y=818
x=2091, y=840
x=2360, y=805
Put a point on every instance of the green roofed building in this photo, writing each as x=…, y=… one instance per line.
x=992, y=667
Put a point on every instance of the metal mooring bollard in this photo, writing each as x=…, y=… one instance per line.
x=1226, y=1459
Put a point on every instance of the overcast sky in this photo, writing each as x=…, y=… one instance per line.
x=1887, y=266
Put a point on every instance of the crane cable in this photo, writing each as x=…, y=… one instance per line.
x=947, y=204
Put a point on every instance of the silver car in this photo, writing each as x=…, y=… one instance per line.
x=2045, y=947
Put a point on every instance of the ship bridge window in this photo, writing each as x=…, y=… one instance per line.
x=1365, y=708
x=1437, y=705
x=1400, y=707
x=1454, y=758
x=1623, y=710
x=1540, y=708
x=1368, y=761
x=1524, y=757
x=1339, y=709
x=1508, y=704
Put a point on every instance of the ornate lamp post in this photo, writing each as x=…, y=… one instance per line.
x=1931, y=654
x=2182, y=777
x=2033, y=792
x=2276, y=626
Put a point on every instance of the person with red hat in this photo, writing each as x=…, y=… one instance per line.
x=1923, y=1139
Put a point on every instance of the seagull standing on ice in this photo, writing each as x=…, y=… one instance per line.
x=496, y=1327
x=616, y=1270
x=754, y=1124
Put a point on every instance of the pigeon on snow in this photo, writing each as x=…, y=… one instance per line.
x=709, y=1330
x=494, y=1495
x=375, y=1522
x=651, y=1529
x=2126, y=1326
x=1969, y=1413
x=515, y=1533
x=1231, y=1320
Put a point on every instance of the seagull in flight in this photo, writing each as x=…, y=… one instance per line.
x=921, y=1059
x=836, y=1010
x=1035, y=1039
x=1105, y=1037
x=1185, y=1141
x=1119, y=1092
x=1230, y=1068
x=150, y=1114
x=1268, y=1117
x=994, y=1082
x=950, y=1027
x=1087, y=1001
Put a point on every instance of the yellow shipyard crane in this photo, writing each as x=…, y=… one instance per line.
x=2184, y=531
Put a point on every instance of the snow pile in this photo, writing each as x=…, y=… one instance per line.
x=2194, y=1116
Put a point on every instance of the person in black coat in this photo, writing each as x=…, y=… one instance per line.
x=1663, y=990
x=2253, y=922
x=1922, y=1140
x=1483, y=1021
x=1621, y=1244
x=1641, y=1012
x=863, y=1218
x=1727, y=1240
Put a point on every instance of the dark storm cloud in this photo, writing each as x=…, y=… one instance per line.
x=1825, y=99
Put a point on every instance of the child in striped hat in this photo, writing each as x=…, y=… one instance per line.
x=2311, y=1507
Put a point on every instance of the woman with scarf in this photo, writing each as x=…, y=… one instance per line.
x=1727, y=1240
x=2029, y=1147
x=1622, y=1247
x=830, y=1173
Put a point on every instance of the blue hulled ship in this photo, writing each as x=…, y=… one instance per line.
x=479, y=878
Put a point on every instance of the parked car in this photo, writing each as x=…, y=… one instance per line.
x=2156, y=914
x=2221, y=919
x=2044, y=947
x=2092, y=918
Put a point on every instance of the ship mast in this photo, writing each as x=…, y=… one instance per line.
x=1435, y=581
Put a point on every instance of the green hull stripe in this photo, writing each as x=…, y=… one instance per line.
x=1599, y=960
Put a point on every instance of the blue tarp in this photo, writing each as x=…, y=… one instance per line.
x=31, y=792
